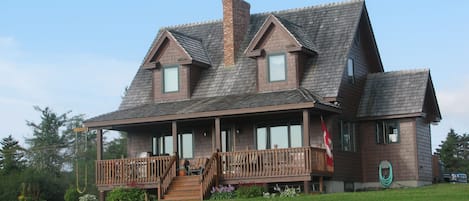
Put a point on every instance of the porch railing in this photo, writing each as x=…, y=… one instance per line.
x=272, y=162
x=167, y=177
x=134, y=171
x=209, y=177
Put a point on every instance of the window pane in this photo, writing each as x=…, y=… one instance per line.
x=187, y=151
x=350, y=67
x=347, y=133
x=168, y=145
x=154, y=145
x=392, y=132
x=261, y=138
x=171, y=79
x=295, y=136
x=277, y=68
x=279, y=136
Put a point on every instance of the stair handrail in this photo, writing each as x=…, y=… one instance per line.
x=209, y=175
x=165, y=179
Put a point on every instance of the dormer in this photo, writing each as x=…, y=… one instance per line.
x=281, y=49
x=176, y=61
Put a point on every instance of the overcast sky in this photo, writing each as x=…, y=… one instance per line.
x=80, y=55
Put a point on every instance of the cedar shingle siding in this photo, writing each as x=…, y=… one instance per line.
x=227, y=86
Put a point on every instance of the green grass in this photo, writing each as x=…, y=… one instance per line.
x=449, y=192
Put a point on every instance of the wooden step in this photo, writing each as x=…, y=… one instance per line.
x=184, y=188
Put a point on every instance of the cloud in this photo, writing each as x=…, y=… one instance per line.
x=85, y=84
x=453, y=101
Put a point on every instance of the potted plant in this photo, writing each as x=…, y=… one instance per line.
x=182, y=171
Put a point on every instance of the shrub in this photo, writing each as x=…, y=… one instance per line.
x=287, y=192
x=71, y=194
x=222, y=193
x=249, y=191
x=121, y=194
x=88, y=197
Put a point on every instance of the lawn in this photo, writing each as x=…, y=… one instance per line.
x=450, y=192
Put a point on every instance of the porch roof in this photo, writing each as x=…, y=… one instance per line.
x=213, y=107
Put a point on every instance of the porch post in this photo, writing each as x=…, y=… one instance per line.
x=217, y=134
x=99, y=155
x=174, y=132
x=99, y=144
x=306, y=142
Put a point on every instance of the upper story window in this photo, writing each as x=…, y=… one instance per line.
x=387, y=132
x=277, y=66
x=279, y=136
x=170, y=79
x=347, y=135
x=351, y=71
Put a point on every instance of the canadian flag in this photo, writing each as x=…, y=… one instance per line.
x=328, y=144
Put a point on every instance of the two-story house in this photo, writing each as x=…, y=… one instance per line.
x=241, y=99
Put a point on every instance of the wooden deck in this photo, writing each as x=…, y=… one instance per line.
x=252, y=166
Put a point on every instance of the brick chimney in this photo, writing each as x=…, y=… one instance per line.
x=236, y=14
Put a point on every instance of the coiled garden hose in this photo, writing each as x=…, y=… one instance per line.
x=386, y=182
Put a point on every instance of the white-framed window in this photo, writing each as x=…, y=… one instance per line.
x=350, y=70
x=277, y=67
x=163, y=145
x=387, y=132
x=347, y=136
x=279, y=136
x=170, y=79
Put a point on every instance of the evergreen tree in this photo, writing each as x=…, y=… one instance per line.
x=454, y=152
x=11, y=156
x=47, y=144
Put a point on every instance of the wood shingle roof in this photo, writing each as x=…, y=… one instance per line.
x=330, y=28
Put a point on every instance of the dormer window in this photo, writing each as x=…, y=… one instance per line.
x=350, y=71
x=170, y=79
x=277, y=67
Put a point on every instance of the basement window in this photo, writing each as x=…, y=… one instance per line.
x=387, y=132
x=277, y=67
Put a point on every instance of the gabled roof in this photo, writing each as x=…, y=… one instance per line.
x=298, y=35
x=222, y=105
x=330, y=27
x=398, y=93
x=192, y=47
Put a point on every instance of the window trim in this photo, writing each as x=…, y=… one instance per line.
x=285, y=67
x=163, y=89
x=385, y=135
x=267, y=126
x=351, y=77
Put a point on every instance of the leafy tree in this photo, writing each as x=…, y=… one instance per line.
x=47, y=143
x=11, y=156
x=116, y=148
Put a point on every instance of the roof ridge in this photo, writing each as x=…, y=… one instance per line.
x=324, y=5
x=213, y=21
x=192, y=24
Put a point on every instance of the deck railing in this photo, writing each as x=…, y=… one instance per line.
x=272, y=162
x=209, y=176
x=134, y=171
x=167, y=177
x=254, y=164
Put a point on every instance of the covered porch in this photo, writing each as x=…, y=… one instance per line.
x=263, y=143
